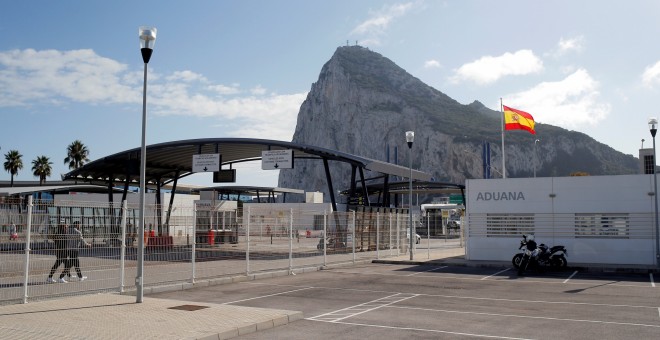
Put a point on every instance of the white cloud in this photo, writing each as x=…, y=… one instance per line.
x=371, y=29
x=570, y=103
x=380, y=20
x=651, y=75
x=575, y=44
x=225, y=90
x=488, y=69
x=30, y=77
x=273, y=117
x=186, y=76
x=432, y=64
x=258, y=90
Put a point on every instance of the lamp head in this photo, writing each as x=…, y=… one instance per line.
x=147, y=41
x=653, y=126
x=410, y=138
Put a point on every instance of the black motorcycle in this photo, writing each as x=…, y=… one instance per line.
x=539, y=256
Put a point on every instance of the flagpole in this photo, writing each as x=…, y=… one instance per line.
x=502, y=126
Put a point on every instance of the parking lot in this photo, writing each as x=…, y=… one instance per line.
x=393, y=301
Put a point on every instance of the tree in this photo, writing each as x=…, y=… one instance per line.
x=76, y=155
x=13, y=163
x=579, y=173
x=41, y=167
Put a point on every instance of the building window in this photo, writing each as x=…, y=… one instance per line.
x=506, y=225
x=602, y=226
x=648, y=164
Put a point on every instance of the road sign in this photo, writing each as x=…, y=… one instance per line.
x=224, y=176
x=209, y=162
x=276, y=159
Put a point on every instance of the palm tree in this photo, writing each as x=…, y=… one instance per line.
x=76, y=155
x=13, y=163
x=41, y=167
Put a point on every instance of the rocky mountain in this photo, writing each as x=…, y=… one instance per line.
x=363, y=103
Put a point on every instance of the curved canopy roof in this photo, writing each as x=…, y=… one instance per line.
x=171, y=160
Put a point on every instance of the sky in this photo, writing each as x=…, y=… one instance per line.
x=72, y=70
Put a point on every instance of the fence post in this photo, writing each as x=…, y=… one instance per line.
x=247, y=241
x=122, y=257
x=398, y=236
x=353, y=236
x=194, y=244
x=291, y=242
x=428, y=236
x=27, y=250
x=325, y=237
x=378, y=235
x=389, y=232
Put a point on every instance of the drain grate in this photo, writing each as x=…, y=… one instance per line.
x=189, y=308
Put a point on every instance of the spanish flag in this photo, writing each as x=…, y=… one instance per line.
x=518, y=120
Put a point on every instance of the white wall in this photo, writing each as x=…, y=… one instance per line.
x=553, y=202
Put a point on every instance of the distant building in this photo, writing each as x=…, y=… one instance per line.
x=646, y=161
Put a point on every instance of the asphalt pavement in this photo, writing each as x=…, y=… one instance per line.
x=114, y=316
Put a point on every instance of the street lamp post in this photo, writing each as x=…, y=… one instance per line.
x=147, y=41
x=410, y=137
x=653, y=127
x=536, y=157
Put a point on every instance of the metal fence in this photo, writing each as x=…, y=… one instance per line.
x=190, y=246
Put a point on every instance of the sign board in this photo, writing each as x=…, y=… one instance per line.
x=224, y=176
x=206, y=162
x=276, y=159
x=456, y=199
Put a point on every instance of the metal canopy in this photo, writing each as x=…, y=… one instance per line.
x=25, y=190
x=251, y=191
x=169, y=161
x=418, y=188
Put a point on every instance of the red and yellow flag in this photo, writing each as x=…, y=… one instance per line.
x=518, y=120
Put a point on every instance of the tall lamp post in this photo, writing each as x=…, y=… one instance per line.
x=653, y=126
x=536, y=157
x=410, y=137
x=147, y=41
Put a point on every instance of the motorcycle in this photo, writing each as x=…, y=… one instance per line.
x=540, y=256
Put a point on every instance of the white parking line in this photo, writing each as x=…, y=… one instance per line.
x=570, y=277
x=652, y=283
x=362, y=308
x=425, y=330
x=426, y=271
x=269, y=295
x=461, y=297
x=528, y=317
x=501, y=271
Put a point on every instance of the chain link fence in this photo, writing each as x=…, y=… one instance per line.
x=183, y=244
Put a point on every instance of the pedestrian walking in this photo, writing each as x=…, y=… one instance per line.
x=75, y=241
x=60, y=242
x=13, y=233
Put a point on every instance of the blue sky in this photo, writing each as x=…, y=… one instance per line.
x=72, y=69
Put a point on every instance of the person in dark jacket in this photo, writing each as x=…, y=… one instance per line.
x=60, y=241
x=74, y=241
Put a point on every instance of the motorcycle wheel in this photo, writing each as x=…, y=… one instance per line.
x=560, y=262
x=523, y=265
x=516, y=260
